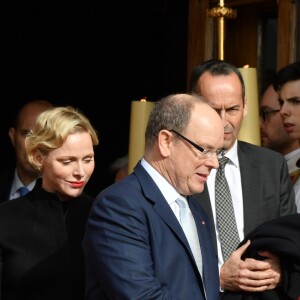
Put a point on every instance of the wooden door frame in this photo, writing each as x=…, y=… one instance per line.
x=201, y=31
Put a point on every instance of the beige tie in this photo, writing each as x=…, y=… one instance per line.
x=190, y=230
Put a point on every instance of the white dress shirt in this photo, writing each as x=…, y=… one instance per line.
x=291, y=159
x=170, y=194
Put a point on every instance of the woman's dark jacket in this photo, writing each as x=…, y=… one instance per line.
x=40, y=247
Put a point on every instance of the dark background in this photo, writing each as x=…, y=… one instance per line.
x=95, y=55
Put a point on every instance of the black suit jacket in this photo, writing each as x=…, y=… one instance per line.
x=282, y=237
x=266, y=186
x=40, y=247
x=6, y=179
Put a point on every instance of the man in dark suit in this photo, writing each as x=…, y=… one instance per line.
x=20, y=173
x=258, y=179
x=135, y=244
x=287, y=85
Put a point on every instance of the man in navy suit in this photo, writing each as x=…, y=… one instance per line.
x=258, y=179
x=135, y=247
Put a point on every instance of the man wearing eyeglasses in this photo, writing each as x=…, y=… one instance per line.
x=146, y=237
x=257, y=177
x=273, y=134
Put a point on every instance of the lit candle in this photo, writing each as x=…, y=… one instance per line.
x=250, y=131
x=140, y=111
x=221, y=3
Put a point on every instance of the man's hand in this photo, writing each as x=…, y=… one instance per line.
x=250, y=275
x=274, y=261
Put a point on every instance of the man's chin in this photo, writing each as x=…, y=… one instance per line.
x=33, y=172
x=228, y=144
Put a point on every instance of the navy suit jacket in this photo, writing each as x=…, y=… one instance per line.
x=135, y=247
x=267, y=189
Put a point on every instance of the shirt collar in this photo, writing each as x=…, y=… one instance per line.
x=17, y=183
x=232, y=154
x=294, y=153
x=164, y=186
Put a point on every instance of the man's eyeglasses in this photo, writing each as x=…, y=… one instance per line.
x=204, y=153
x=266, y=113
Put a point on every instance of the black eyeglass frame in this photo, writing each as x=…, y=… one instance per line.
x=264, y=114
x=205, y=153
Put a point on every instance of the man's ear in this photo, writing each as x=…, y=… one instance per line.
x=12, y=135
x=164, y=142
x=245, y=111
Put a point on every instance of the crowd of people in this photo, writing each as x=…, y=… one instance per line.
x=202, y=216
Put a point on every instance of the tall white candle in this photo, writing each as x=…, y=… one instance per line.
x=250, y=130
x=140, y=111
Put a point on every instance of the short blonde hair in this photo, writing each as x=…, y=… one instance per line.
x=53, y=126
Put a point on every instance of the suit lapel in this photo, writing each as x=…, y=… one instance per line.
x=250, y=176
x=160, y=205
x=204, y=200
x=201, y=225
x=164, y=211
x=204, y=236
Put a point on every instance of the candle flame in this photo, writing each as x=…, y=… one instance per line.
x=144, y=99
x=246, y=66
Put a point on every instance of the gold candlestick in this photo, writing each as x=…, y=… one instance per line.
x=221, y=13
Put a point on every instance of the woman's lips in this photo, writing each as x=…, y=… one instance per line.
x=78, y=184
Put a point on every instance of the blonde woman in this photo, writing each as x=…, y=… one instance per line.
x=41, y=232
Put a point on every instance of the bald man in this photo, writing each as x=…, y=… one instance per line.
x=145, y=253
x=21, y=174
